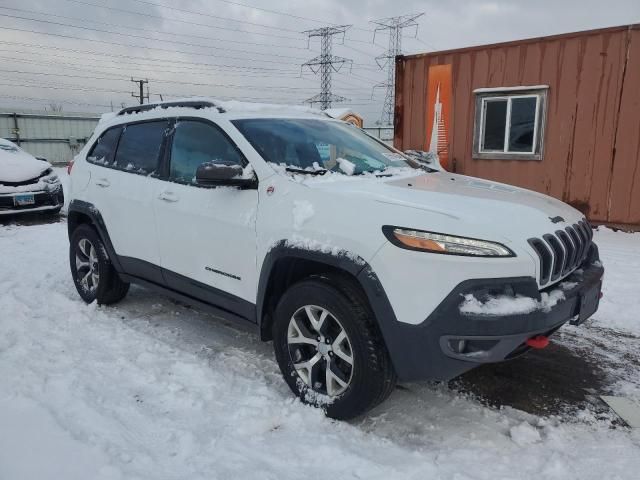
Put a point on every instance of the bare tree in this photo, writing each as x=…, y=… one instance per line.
x=54, y=107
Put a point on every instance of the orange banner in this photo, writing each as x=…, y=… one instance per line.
x=439, y=112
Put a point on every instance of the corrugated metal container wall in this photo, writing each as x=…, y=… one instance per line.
x=56, y=137
x=591, y=141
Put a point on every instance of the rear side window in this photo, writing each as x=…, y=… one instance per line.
x=195, y=143
x=139, y=147
x=103, y=151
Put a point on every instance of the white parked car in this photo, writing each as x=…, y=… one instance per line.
x=27, y=184
x=362, y=265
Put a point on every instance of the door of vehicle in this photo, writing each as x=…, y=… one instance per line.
x=207, y=235
x=121, y=188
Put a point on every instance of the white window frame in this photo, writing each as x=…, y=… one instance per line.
x=484, y=96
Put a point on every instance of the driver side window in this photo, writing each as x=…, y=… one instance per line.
x=195, y=143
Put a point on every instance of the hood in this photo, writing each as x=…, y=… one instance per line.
x=467, y=204
x=18, y=165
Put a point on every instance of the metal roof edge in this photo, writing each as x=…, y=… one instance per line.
x=524, y=41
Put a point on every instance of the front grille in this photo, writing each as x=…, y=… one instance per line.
x=562, y=252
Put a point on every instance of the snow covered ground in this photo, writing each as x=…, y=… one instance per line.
x=150, y=389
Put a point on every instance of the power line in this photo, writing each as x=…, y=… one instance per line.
x=129, y=27
x=430, y=45
x=106, y=69
x=253, y=7
x=214, y=55
x=148, y=15
x=275, y=12
x=133, y=12
x=209, y=15
x=362, y=66
x=159, y=80
x=174, y=42
x=146, y=59
x=394, y=25
x=40, y=99
x=325, y=64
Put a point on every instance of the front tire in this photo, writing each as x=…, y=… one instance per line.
x=93, y=274
x=329, y=349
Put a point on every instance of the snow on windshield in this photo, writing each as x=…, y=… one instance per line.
x=305, y=144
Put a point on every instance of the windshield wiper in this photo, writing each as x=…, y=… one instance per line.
x=306, y=172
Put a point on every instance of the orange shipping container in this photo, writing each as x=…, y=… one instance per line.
x=558, y=114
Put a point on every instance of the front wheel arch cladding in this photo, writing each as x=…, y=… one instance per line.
x=352, y=265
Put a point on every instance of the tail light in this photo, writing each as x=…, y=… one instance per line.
x=69, y=167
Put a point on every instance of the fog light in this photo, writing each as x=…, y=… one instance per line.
x=458, y=345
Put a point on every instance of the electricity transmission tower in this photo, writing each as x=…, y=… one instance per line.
x=394, y=25
x=326, y=64
x=141, y=95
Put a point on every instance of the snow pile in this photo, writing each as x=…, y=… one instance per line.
x=304, y=243
x=329, y=176
x=524, y=434
x=619, y=252
x=346, y=166
x=302, y=212
x=509, y=305
x=149, y=389
x=248, y=172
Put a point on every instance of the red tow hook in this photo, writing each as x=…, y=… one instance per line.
x=538, y=342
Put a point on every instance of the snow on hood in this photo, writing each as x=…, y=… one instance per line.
x=16, y=165
x=472, y=201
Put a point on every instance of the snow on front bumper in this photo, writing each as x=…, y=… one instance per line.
x=456, y=338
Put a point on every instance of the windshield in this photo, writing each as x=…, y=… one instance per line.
x=307, y=144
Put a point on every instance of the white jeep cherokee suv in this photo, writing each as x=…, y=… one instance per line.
x=362, y=265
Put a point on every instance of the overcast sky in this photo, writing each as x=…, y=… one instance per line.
x=81, y=54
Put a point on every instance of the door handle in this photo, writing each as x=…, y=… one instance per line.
x=103, y=182
x=168, y=197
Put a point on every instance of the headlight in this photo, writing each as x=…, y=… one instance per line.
x=445, y=244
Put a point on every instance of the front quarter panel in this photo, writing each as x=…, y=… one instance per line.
x=417, y=282
x=310, y=219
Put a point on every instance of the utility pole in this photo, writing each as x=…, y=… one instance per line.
x=326, y=64
x=141, y=96
x=394, y=25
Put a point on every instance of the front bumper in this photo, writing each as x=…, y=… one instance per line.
x=44, y=200
x=450, y=342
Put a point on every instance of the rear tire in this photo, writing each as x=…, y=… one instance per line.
x=93, y=274
x=334, y=302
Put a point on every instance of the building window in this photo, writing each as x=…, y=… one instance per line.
x=509, y=123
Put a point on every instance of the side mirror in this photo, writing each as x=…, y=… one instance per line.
x=211, y=174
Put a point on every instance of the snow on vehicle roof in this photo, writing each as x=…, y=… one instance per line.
x=339, y=112
x=230, y=109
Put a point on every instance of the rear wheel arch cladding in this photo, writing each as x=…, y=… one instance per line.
x=85, y=212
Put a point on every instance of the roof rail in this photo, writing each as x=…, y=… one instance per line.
x=197, y=104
